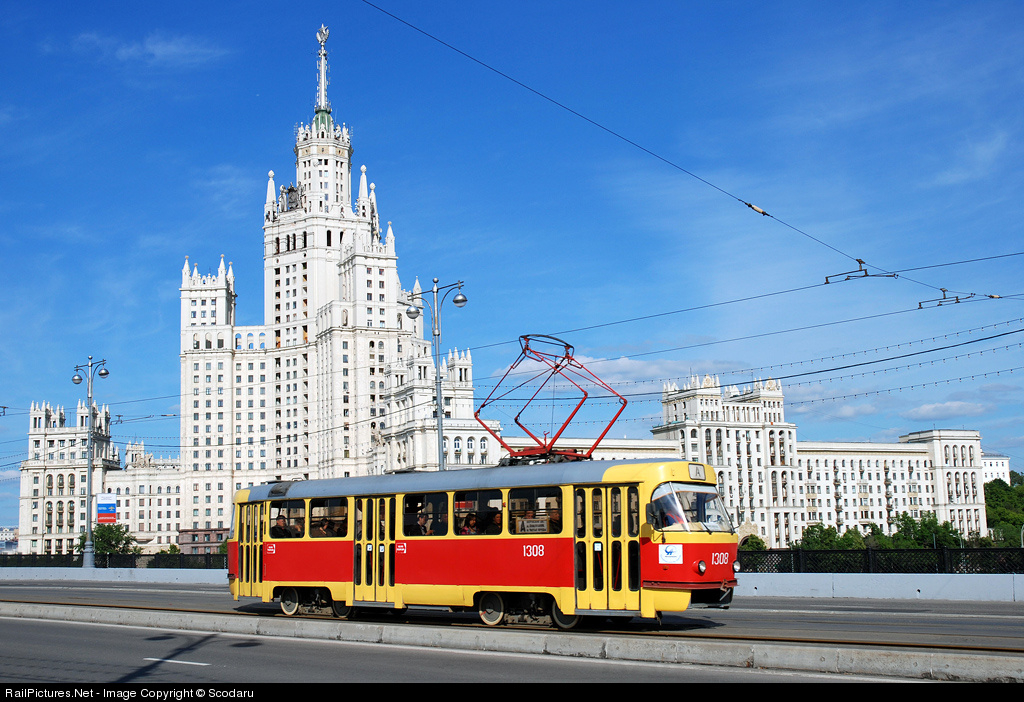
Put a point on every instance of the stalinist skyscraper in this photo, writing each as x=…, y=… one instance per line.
x=338, y=380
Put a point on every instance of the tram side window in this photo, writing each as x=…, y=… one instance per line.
x=425, y=514
x=535, y=510
x=478, y=512
x=288, y=519
x=328, y=517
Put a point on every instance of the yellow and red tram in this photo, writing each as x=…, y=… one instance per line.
x=523, y=543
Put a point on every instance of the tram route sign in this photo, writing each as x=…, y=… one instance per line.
x=106, y=508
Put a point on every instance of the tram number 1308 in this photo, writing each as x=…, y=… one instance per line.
x=533, y=550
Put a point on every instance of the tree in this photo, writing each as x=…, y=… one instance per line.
x=751, y=543
x=818, y=537
x=851, y=540
x=171, y=550
x=877, y=538
x=1016, y=479
x=1004, y=509
x=906, y=532
x=925, y=533
x=111, y=538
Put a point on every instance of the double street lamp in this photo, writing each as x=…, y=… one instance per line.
x=413, y=312
x=91, y=370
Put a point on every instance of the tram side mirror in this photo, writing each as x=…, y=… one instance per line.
x=654, y=517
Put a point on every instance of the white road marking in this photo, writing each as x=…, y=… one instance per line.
x=171, y=660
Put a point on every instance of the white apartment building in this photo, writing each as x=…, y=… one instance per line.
x=52, y=504
x=781, y=485
x=995, y=466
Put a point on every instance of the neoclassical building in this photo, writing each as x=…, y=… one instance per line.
x=337, y=381
x=52, y=504
x=781, y=485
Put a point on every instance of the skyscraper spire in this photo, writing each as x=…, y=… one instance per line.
x=322, y=104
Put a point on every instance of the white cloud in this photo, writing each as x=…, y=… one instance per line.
x=945, y=410
x=975, y=160
x=230, y=189
x=156, y=50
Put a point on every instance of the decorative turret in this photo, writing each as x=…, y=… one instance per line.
x=374, y=217
x=363, y=202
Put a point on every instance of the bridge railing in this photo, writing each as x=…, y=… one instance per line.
x=988, y=561
x=213, y=561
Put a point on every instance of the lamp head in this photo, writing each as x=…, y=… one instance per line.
x=460, y=300
x=412, y=312
x=76, y=379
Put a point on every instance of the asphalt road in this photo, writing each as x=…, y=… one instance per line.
x=49, y=652
x=998, y=626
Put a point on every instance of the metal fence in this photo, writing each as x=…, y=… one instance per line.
x=988, y=561
x=118, y=560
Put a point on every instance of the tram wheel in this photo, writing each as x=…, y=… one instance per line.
x=491, y=609
x=340, y=609
x=563, y=621
x=289, y=601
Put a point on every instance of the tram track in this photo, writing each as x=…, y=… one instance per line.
x=673, y=632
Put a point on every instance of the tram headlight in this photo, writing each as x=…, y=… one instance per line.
x=736, y=566
x=702, y=567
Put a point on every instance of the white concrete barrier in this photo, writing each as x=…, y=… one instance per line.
x=889, y=586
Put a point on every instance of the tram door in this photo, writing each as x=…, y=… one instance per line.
x=607, y=524
x=250, y=549
x=373, y=561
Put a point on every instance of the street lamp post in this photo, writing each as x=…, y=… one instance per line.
x=91, y=370
x=412, y=312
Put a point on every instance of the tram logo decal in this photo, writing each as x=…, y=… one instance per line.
x=670, y=554
x=271, y=548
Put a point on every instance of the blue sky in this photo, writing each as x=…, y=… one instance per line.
x=134, y=135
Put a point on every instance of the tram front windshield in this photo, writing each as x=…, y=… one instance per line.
x=682, y=507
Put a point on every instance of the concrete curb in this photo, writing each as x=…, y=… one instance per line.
x=807, y=658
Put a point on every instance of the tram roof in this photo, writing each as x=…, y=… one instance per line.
x=568, y=473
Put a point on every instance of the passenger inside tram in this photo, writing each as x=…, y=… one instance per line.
x=280, y=529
